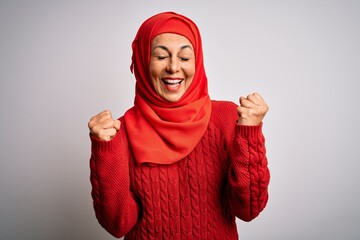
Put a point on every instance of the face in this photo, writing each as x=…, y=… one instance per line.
x=172, y=65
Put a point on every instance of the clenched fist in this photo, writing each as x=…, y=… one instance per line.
x=103, y=126
x=252, y=110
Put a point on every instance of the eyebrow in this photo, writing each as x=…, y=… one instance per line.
x=166, y=49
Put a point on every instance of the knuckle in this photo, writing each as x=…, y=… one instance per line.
x=113, y=132
x=253, y=112
x=103, y=136
x=107, y=113
x=264, y=108
x=92, y=121
x=95, y=130
x=104, y=115
x=90, y=124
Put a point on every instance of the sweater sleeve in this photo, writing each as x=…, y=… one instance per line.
x=248, y=174
x=114, y=203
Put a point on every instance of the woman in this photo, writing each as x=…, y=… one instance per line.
x=177, y=165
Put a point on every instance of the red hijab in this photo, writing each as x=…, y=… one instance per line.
x=159, y=131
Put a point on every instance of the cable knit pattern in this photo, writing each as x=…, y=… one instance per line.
x=224, y=177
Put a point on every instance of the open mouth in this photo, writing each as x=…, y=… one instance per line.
x=168, y=81
x=172, y=84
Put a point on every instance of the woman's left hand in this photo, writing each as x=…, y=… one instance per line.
x=252, y=110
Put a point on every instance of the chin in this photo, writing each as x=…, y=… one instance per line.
x=172, y=98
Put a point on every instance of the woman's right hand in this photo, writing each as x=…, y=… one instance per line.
x=103, y=126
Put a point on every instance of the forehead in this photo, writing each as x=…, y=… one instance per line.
x=170, y=39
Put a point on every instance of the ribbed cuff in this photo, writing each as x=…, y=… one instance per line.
x=103, y=146
x=248, y=131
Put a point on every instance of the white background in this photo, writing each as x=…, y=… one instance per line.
x=63, y=61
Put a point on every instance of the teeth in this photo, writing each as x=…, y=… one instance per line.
x=172, y=81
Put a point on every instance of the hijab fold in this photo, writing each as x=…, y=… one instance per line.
x=159, y=131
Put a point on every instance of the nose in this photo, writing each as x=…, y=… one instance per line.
x=173, y=65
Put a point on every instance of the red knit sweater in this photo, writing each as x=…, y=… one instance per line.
x=198, y=197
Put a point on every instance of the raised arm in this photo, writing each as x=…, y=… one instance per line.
x=114, y=204
x=248, y=176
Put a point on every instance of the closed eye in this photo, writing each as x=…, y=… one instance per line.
x=161, y=57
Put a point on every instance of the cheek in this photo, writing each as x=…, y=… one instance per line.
x=152, y=69
x=155, y=69
x=154, y=74
x=190, y=71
